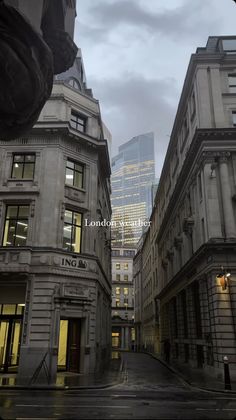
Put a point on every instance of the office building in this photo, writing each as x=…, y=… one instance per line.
x=195, y=238
x=133, y=173
x=55, y=272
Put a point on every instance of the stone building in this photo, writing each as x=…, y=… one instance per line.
x=55, y=272
x=146, y=308
x=123, y=334
x=195, y=238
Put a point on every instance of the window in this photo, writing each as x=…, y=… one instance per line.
x=229, y=46
x=16, y=226
x=74, y=83
x=200, y=185
x=126, y=291
x=117, y=302
x=74, y=174
x=117, y=266
x=126, y=302
x=78, y=122
x=192, y=105
x=126, y=277
x=232, y=83
x=115, y=253
x=117, y=290
x=126, y=266
x=117, y=277
x=72, y=231
x=128, y=253
x=234, y=118
x=23, y=166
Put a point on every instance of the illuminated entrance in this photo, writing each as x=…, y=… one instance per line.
x=115, y=339
x=11, y=317
x=69, y=345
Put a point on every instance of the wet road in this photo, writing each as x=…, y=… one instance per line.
x=148, y=391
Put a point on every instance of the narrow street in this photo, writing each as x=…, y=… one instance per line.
x=148, y=390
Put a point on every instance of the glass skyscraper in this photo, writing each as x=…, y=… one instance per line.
x=133, y=174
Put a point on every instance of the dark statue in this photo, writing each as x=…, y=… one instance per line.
x=35, y=43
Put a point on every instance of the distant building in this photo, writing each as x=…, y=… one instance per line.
x=123, y=334
x=55, y=272
x=190, y=279
x=133, y=173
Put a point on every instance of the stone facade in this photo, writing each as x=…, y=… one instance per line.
x=58, y=270
x=195, y=235
x=123, y=333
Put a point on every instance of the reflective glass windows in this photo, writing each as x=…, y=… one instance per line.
x=72, y=231
x=16, y=225
x=74, y=174
x=23, y=166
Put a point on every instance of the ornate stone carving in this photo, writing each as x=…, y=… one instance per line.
x=188, y=225
x=178, y=242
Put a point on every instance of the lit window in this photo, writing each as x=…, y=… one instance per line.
x=117, y=290
x=78, y=122
x=117, y=277
x=126, y=277
x=117, y=266
x=117, y=302
x=232, y=83
x=126, y=291
x=16, y=226
x=74, y=174
x=72, y=231
x=23, y=166
x=126, y=266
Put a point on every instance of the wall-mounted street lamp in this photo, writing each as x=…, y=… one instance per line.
x=223, y=276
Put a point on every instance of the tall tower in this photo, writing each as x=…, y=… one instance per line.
x=133, y=173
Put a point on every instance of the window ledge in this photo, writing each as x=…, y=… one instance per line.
x=75, y=188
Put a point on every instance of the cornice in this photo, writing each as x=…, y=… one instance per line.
x=204, y=141
x=190, y=269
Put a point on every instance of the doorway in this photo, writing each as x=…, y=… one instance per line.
x=11, y=317
x=69, y=345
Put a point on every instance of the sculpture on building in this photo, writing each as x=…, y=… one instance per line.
x=35, y=43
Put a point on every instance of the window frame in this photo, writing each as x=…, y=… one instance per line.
x=79, y=125
x=23, y=164
x=16, y=220
x=232, y=86
x=75, y=171
x=73, y=226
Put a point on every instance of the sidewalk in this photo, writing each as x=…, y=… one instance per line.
x=196, y=377
x=70, y=380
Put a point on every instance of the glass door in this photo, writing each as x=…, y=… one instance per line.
x=10, y=333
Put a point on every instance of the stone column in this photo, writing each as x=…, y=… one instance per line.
x=226, y=195
x=122, y=346
x=127, y=338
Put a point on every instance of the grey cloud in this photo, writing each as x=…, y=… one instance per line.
x=135, y=105
x=183, y=20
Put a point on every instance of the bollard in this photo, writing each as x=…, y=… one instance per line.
x=226, y=373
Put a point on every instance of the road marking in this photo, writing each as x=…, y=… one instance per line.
x=72, y=406
x=123, y=395
x=215, y=409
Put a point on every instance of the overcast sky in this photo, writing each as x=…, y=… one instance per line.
x=136, y=54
